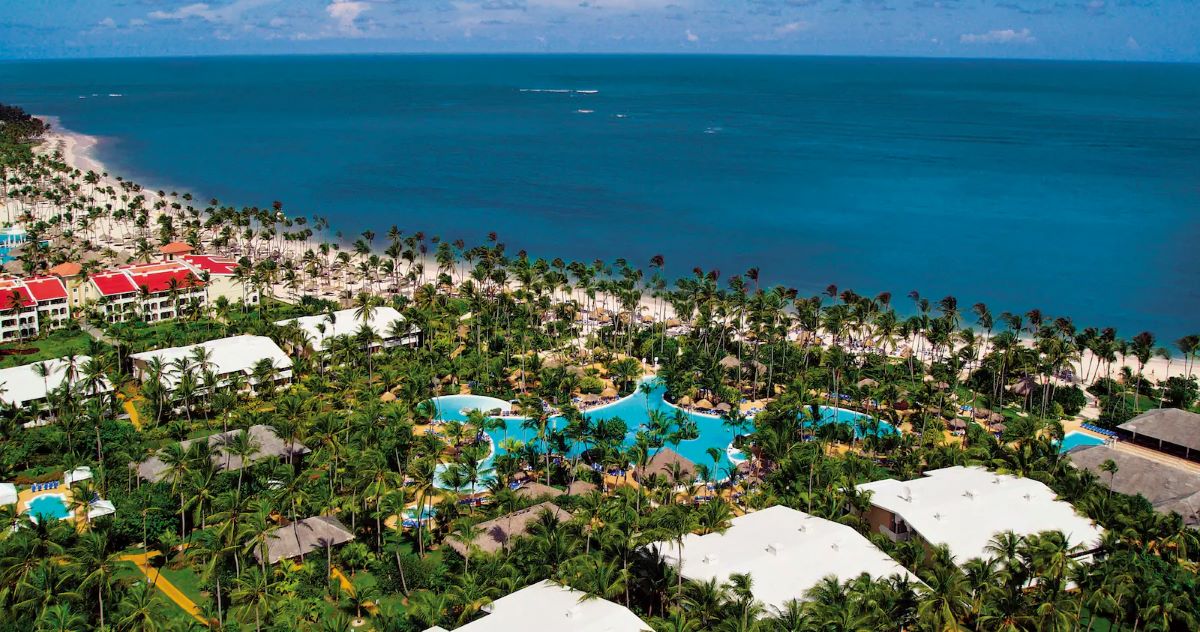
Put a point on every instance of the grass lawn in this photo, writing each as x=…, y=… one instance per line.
x=127, y=572
x=56, y=344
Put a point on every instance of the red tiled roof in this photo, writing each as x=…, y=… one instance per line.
x=160, y=280
x=112, y=283
x=176, y=248
x=46, y=288
x=7, y=298
x=212, y=264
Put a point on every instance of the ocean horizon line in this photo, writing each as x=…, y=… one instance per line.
x=621, y=54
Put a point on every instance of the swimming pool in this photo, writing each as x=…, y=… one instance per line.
x=48, y=506
x=1076, y=439
x=634, y=411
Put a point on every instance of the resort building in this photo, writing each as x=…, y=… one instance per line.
x=29, y=384
x=303, y=537
x=267, y=444
x=71, y=274
x=8, y=494
x=1169, y=488
x=225, y=357
x=175, y=249
x=221, y=277
x=31, y=305
x=387, y=323
x=494, y=535
x=785, y=551
x=149, y=291
x=1169, y=430
x=965, y=507
x=552, y=607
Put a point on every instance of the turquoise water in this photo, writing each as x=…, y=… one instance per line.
x=48, y=506
x=1076, y=439
x=1023, y=184
x=633, y=410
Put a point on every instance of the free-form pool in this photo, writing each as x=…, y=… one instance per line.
x=1076, y=439
x=634, y=410
x=52, y=506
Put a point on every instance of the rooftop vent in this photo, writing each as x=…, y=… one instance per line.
x=775, y=548
x=970, y=493
x=575, y=613
x=710, y=558
x=905, y=494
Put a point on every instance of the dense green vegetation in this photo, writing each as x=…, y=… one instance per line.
x=505, y=324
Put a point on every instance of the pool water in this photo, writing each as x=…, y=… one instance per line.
x=1076, y=439
x=48, y=506
x=634, y=411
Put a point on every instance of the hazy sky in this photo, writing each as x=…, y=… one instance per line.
x=1074, y=29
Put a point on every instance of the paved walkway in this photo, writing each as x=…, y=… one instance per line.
x=142, y=562
x=96, y=334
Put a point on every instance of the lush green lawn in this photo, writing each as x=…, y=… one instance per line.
x=188, y=582
x=56, y=344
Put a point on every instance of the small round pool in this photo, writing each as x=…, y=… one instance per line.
x=52, y=506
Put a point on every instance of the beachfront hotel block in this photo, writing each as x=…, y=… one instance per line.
x=552, y=607
x=24, y=386
x=965, y=507
x=149, y=291
x=226, y=357
x=386, y=322
x=786, y=552
x=30, y=305
x=221, y=279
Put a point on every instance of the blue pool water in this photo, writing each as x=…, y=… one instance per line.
x=1076, y=439
x=633, y=410
x=48, y=506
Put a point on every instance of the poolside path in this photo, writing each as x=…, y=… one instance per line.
x=142, y=562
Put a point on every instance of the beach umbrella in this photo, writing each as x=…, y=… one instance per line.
x=941, y=386
x=685, y=401
x=608, y=392
x=730, y=362
x=387, y=396
x=724, y=407
x=982, y=413
x=704, y=403
x=867, y=382
x=996, y=418
x=1023, y=387
x=928, y=378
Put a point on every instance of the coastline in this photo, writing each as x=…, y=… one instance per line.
x=79, y=151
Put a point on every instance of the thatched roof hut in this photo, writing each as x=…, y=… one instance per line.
x=581, y=488
x=730, y=362
x=704, y=404
x=723, y=407
x=661, y=464
x=387, y=397
x=685, y=401
x=538, y=490
x=495, y=534
x=303, y=537
x=608, y=392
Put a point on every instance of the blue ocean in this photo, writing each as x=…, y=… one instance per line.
x=1069, y=187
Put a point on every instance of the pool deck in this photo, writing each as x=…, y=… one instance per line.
x=26, y=496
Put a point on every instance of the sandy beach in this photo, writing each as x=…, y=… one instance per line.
x=79, y=150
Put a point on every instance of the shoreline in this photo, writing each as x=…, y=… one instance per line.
x=79, y=151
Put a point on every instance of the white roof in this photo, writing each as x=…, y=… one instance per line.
x=549, y=606
x=786, y=552
x=22, y=384
x=81, y=473
x=8, y=494
x=101, y=507
x=237, y=354
x=320, y=329
x=964, y=507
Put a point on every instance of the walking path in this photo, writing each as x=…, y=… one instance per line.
x=142, y=562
